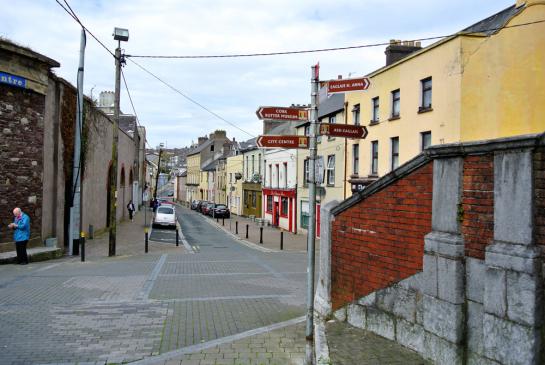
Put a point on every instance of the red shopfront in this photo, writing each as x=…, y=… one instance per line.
x=280, y=208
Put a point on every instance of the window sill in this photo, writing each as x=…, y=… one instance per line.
x=422, y=109
x=373, y=122
x=330, y=185
x=372, y=176
x=396, y=117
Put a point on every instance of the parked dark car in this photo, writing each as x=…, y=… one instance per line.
x=195, y=204
x=221, y=211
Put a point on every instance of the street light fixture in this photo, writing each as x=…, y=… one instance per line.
x=120, y=34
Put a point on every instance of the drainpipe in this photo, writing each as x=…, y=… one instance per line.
x=345, y=150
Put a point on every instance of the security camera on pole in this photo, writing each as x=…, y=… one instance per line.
x=119, y=35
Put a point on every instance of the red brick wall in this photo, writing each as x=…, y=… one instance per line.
x=380, y=240
x=478, y=204
x=539, y=196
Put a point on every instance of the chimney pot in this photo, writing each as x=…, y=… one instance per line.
x=400, y=49
x=339, y=77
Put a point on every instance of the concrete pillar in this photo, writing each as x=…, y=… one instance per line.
x=322, y=299
x=444, y=292
x=512, y=317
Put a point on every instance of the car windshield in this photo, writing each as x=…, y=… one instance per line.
x=165, y=210
x=221, y=206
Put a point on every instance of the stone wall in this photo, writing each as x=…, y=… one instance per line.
x=478, y=297
x=21, y=139
x=98, y=134
x=37, y=119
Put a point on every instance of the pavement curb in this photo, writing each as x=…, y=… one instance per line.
x=160, y=359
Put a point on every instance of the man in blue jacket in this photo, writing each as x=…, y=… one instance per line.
x=21, y=234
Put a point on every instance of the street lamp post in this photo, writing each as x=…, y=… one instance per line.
x=120, y=34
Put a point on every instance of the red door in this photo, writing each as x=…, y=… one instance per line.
x=276, y=213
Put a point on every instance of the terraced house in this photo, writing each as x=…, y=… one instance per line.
x=473, y=85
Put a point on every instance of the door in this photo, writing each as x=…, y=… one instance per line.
x=276, y=213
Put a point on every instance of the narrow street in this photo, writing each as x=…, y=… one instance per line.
x=113, y=310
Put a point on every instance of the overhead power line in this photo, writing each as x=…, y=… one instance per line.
x=371, y=45
x=190, y=99
x=75, y=17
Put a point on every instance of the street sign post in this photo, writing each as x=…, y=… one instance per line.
x=282, y=114
x=346, y=85
x=283, y=141
x=343, y=130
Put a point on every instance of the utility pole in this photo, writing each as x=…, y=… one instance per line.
x=119, y=35
x=309, y=332
x=158, y=172
x=75, y=204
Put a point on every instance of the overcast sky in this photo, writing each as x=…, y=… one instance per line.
x=232, y=88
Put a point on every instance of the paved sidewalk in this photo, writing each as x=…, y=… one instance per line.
x=130, y=240
x=349, y=345
x=283, y=346
x=271, y=235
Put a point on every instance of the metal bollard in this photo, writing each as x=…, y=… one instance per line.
x=281, y=241
x=217, y=220
x=177, y=237
x=247, y=226
x=236, y=227
x=146, y=246
x=261, y=235
x=223, y=221
x=82, y=248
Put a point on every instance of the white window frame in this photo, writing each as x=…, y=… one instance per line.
x=330, y=170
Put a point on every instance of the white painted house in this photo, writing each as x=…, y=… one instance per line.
x=280, y=188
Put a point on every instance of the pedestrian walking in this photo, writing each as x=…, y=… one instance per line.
x=155, y=205
x=21, y=234
x=131, y=209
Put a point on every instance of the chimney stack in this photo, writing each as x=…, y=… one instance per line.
x=201, y=140
x=399, y=49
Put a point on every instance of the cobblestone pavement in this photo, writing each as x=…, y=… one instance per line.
x=134, y=306
x=284, y=346
x=349, y=345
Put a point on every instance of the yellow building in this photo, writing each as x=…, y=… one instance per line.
x=233, y=170
x=330, y=150
x=478, y=84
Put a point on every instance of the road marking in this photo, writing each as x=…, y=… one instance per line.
x=160, y=359
x=146, y=289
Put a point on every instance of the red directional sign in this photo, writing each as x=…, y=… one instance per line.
x=343, y=130
x=283, y=141
x=341, y=86
x=281, y=113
